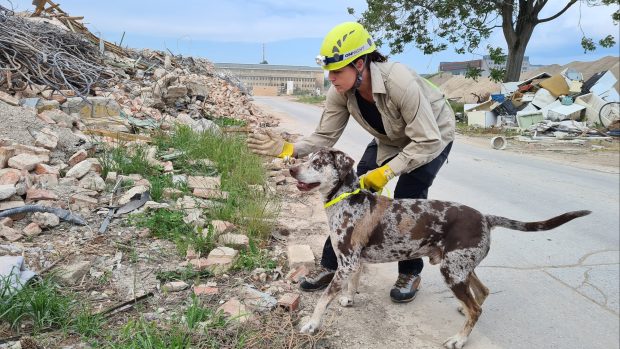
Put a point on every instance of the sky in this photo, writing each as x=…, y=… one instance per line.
x=234, y=31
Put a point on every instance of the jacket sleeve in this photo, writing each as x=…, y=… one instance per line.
x=420, y=124
x=333, y=121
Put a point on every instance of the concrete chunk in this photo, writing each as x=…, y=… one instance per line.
x=300, y=255
x=26, y=161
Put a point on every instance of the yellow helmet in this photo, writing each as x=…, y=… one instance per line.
x=343, y=44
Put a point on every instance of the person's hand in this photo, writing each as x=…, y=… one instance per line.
x=269, y=143
x=377, y=178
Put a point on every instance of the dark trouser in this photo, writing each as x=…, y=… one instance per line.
x=412, y=185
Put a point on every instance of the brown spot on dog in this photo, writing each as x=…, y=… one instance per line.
x=437, y=206
x=366, y=224
x=346, y=216
x=376, y=236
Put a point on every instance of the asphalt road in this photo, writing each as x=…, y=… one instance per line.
x=556, y=289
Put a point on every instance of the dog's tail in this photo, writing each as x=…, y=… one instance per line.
x=499, y=221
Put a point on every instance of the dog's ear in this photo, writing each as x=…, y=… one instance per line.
x=342, y=162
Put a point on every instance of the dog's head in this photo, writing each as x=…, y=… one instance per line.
x=323, y=170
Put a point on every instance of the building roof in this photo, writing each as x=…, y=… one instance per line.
x=266, y=67
x=446, y=66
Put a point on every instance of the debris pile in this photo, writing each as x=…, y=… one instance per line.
x=60, y=204
x=54, y=63
x=560, y=106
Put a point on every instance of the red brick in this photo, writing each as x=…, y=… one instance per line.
x=46, y=169
x=32, y=229
x=289, y=301
x=77, y=157
x=205, y=290
x=9, y=176
x=296, y=274
x=40, y=194
x=199, y=263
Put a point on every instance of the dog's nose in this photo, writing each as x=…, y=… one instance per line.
x=293, y=171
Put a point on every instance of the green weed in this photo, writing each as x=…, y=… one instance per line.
x=141, y=334
x=228, y=122
x=254, y=257
x=168, y=224
x=310, y=99
x=40, y=305
x=196, y=313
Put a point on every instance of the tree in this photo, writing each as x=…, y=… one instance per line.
x=432, y=25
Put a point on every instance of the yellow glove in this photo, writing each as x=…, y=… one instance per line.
x=269, y=143
x=377, y=178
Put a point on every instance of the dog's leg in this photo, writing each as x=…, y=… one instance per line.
x=472, y=309
x=328, y=295
x=480, y=290
x=346, y=299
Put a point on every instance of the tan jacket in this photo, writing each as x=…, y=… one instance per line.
x=418, y=121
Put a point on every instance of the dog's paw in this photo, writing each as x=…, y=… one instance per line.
x=455, y=342
x=461, y=310
x=345, y=301
x=310, y=327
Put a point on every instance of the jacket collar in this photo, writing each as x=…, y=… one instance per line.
x=376, y=78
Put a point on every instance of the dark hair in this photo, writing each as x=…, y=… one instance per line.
x=374, y=56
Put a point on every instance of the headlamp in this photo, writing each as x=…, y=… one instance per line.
x=320, y=60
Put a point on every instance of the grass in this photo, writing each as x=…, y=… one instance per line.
x=199, y=327
x=40, y=305
x=254, y=257
x=238, y=167
x=310, y=99
x=205, y=154
x=229, y=122
x=457, y=107
x=141, y=334
x=169, y=224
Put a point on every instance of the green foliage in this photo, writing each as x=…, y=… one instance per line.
x=473, y=73
x=432, y=26
x=311, y=99
x=227, y=122
x=142, y=334
x=457, y=107
x=253, y=258
x=587, y=44
x=607, y=41
x=40, y=305
x=124, y=160
x=196, y=313
x=239, y=169
x=168, y=224
x=186, y=274
x=88, y=324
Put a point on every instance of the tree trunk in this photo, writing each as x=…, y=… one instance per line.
x=517, y=44
x=514, y=62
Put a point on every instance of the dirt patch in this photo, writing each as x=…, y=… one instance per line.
x=598, y=155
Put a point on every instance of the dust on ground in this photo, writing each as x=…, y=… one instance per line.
x=597, y=155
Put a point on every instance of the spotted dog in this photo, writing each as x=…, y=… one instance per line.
x=365, y=227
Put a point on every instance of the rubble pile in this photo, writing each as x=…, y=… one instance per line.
x=60, y=94
x=57, y=104
x=54, y=67
x=559, y=106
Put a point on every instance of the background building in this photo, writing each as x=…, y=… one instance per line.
x=485, y=65
x=271, y=80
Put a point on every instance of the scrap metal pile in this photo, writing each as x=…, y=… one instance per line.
x=35, y=52
x=561, y=106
